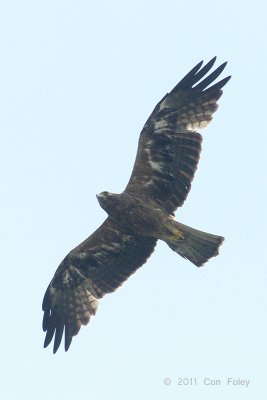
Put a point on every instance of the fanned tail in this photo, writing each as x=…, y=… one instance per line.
x=194, y=245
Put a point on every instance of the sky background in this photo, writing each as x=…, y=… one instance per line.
x=78, y=81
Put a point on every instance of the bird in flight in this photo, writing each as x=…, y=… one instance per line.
x=167, y=158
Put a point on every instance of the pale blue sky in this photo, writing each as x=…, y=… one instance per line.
x=78, y=81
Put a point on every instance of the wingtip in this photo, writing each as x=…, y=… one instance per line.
x=67, y=345
x=227, y=79
x=223, y=65
x=194, y=70
x=56, y=346
x=199, y=65
x=46, y=343
x=212, y=61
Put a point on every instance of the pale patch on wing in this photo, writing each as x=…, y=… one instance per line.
x=167, y=102
x=66, y=277
x=75, y=271
x=156, y=165
x=149, y=182
x=93, y=303
x=160, y=124
x=110, y=247
x=148, y=144
x=194, y=126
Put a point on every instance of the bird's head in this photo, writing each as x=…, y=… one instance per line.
x=107, y=201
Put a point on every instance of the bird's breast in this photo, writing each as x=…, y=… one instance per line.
x=136, y=216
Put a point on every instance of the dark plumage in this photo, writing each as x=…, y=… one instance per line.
x=167, y=157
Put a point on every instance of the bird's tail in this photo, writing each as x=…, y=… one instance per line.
x=197, y=246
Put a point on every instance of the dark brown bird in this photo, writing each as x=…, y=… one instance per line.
x=167, y=157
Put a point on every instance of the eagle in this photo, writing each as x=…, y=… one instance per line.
x=167, y=158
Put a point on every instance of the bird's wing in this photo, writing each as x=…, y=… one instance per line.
x=97, y=266
x=169, y=146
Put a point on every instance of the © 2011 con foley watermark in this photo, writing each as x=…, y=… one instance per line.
x=207, y=381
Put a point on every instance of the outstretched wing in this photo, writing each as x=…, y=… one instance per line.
x=97, y=266
x=169, y=146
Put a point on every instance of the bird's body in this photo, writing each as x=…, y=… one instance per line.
x=166, y=160
x=135, y=214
